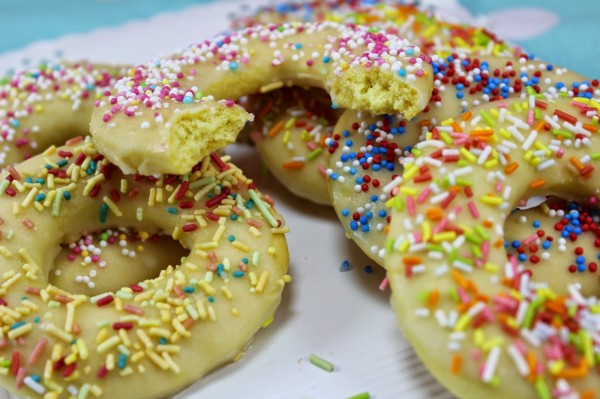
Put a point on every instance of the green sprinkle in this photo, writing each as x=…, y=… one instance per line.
x=314, y=154
x=139, y=214
x=3, y=186
x=560, y=132
x=489, y=120
x=542, y=389
x=363, y=395
x=320, y=363
x=263, y=208
x=201, y=182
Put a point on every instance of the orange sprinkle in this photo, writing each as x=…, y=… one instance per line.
x=466, y=116
x=531, y=362
x=456, y=127
x=576, y=162
x=488, y=224
x=456, y=363
x=434, y=214
x=540, y=126
x=511, y=167
x=556, y=307
x=498, y=243
x=276, y=129
x=293, y=165
x=412, y=260
x=425, y=122
x=590, y=128
x=460, y=280
x=266, y=109
x=537, y=183
x=432, y=300
x=589, y=394
x=322, y=141
x=482, y=133
x=575, y=372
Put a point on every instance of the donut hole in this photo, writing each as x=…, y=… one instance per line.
x=107, y=260
x=556, y=240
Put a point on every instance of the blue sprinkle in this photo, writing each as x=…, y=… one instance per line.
x=402, y=72
x=41, y=181
x=298, y=46
x=368, y=269
x=365, y=228
x=353, y=225
x=233, y=65
x=238, y=273
x=382, y=213
x=233, y=216
x=40, y=197
x=62, y=162
x=522, y=257
x=35, y=377
x=220, y=269
x=37, y=319
x=15, y=123
x=326, y=59
x=581, y=267
x=245, y=260
x=345, y=212
x=546, y=244
x=188, y=100
x=550, y=67
x=103, y=213
x=28, y=180
x=189, y=290
x=580, y=259
x=172, y=210
x=122, y=362
x=211, y=299
x=409, y=51
x=67, y=195
x=17, y=325
x=345, y=266
x=515, y=244
x=374, y=198
x=536, y=223
x=162, y=341
x=231, y=238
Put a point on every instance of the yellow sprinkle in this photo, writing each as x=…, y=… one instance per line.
x=82, y=348
x=58, y=333
x=491, y=200
x=262, y=281
x=445, y=236
x=108, y=344
x=144, y=338
x=70, y=318
x=20, y=331
x=241, y=246
x=112, y=206
x=467, y=154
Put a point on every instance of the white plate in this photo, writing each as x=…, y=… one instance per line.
x=340, y=316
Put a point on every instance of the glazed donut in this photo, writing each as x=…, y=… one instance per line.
x=299, y=162
x=484, y=325
x=174, y=327
x=364, y=169
x=48, y=104
x=155, y=104
x=87, y=265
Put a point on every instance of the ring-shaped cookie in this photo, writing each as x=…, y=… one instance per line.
x=174, y=327
x=148, y=122
x=484, y=325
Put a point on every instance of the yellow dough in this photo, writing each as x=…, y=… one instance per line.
x=47, y=104
x=363, y=169
x=174, y=327
x=360, y=68
x=483, y=325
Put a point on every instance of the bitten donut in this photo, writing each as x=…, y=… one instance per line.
x=172, y=328
x=155, y=105
x=484, y=325
x=47, y=104
x=298, y=159
x=364, y=165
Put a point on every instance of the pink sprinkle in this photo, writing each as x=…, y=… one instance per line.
x=37, y=351
x=254, y=223
x=560, y=152
x=133, y=309
x=485, y=249
x=530, y=240
x=462, y=294
x=410, y=203
x=384, y=284
x=473, y=209
x=423, y=196
x=105, y=117
x=212, y=256
x=476, y=355
x=499, y=186
x=229, y=103
x=441, y=226
x=21, y=374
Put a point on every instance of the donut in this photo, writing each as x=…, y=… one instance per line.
x=173, y=327
x=155, y=104
x=484, y=325
x=47, y=104
x=299, y=162
x=364, y=165
x=290, y=130
x=86, y=265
